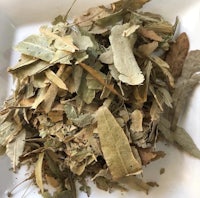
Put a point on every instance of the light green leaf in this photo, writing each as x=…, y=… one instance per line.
x=15, y=148
x=183, y=139
x=30, y=70
x=124, y=59
x=115, y=146
x=63, y=57
x=107, y=57
x=37, y=46
x=81, y=41
x=24, y=61
x=179, y=137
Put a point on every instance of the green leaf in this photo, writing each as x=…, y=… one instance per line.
x=37, y=46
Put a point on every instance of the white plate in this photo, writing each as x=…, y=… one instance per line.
x=19, y=18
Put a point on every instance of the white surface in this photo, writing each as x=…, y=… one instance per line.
x=19, y=18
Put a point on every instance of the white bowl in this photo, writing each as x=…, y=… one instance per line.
x=19, y=18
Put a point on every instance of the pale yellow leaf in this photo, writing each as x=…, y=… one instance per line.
x=15, y=148
x=136, y=121
x=38, y=171
x=115, y=146
x=55, y=79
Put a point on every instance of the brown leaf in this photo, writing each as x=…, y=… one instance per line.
x=99, y=78
x=150, y=34
x=148, y=49
x=147, y=155
x=177, y=54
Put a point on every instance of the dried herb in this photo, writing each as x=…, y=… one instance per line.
x=93, y=97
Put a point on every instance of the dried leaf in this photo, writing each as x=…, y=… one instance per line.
x=24, y=61
x=136, y=121
x=98, y=77
x=129, y=4
x=39, y=99
x=179, y=137
x=61, y=43
x=52, y=181
x=37, y=46
x=124, y=59
x=136, y=183
x=81, y=41
x=185, y=85
x=177, y=54
x=164, y=68
x=130, y=30
x=30, y=70
x=148, y=49
x=91, y=15
x=107, y=57
x=63, y=57
x=81, y=120
x=15, y=148
x=38, y=172
x=55, y=79
x=63, y=72
x=147, y=155
x=115, y=146
x=183, y=139
x=111, y=19
x=160, y=27
x=150, y=34
x=8, y=130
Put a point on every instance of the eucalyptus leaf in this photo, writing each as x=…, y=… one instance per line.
x=30, y=70
x=124, y=59
x=37, y=46
x=115, y=146
x=15, y=148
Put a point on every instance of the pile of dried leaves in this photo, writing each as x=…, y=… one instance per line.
x=94, y=96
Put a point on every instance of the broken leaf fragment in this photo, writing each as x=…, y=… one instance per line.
x=38, y=171
x=115, y=146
